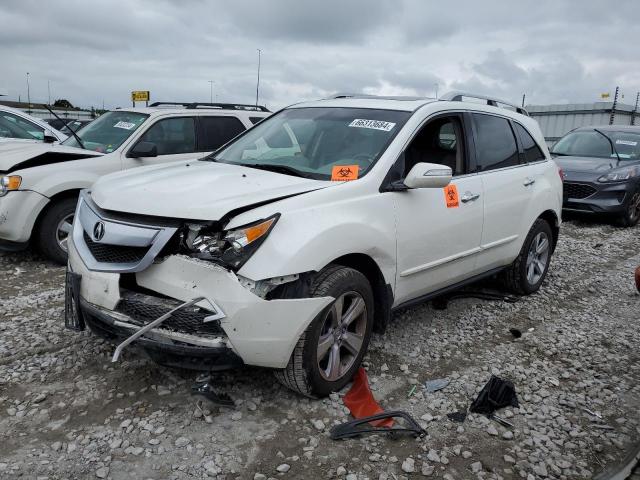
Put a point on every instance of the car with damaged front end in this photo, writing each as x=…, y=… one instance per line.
x=290, y=245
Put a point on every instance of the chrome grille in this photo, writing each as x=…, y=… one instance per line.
x=578, y=190
x=143, y=309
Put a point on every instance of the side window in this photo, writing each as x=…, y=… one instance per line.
x=216, y=131
x=439, y=141
x=255, y=120
x=532, y=152
x=172, y=136
x=495, y=144
x=13, y=126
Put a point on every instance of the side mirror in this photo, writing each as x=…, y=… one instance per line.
x=428, y=175
x=49, y=137
x=143, y=150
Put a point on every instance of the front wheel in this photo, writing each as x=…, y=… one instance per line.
x=331, y=349
x=55, y=228
x=631, y=215
x=527, y=272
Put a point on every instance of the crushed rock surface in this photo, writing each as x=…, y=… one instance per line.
x=67, y=412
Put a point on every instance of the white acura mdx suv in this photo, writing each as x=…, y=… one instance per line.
x=40, y=183
x=290, y=245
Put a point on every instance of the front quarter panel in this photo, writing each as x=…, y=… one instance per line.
x=316, y=228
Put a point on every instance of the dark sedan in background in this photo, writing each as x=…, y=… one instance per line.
x=601, y=168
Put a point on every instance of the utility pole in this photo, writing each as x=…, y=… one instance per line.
x=211, y=92
x=436, y=85
x=523, y=97
x=28, y=94
x=49, y=90
x=613, y=107
x=635, y=110
x=258, y=83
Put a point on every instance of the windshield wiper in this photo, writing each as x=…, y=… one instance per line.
x=71, y=129
x=275, y=168
x=613, y=148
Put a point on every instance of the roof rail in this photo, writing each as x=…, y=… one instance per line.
x=380, y=97
x=457, y=96
x=222, y=106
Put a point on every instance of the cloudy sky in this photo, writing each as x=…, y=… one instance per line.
x=94, y=51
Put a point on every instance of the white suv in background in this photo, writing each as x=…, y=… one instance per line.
x=39, y=184
x=290, y=245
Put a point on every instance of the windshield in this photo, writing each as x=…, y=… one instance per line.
x=589, y=143
x=320, y=143
x=106, y=133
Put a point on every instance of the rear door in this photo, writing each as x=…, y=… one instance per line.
x=507, y=183
x=174, y=138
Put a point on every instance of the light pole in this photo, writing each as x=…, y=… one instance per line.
x=28, y=93
x=49, y=90
x=211, y=93
x=436, y=85
x=258, y=83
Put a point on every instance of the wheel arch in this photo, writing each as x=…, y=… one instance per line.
x=552, y=219
x=382, y=291
x=71, y=193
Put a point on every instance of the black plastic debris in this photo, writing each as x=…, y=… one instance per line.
x=458, y=417
x=496, y=394
x=206, y=390
x=406, y=426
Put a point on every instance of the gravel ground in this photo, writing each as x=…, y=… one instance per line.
x=67, y=412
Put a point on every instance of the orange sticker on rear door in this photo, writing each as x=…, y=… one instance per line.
x=451, y=196
x=344, y=172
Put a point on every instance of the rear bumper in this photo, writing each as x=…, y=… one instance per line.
x=609, y=198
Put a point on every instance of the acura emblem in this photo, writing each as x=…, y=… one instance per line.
x=98, y=231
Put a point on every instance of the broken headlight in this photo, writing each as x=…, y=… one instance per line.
x=231, y=248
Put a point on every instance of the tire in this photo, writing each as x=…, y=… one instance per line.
x=518, y=277
x=306, y=373
x=631, y=214
x=48, y=240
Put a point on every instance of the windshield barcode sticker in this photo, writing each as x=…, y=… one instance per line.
x=125, y=125
x=374, y=124
x=626, y=142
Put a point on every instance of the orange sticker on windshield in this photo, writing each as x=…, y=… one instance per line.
x=344, y=172
x=451, y=196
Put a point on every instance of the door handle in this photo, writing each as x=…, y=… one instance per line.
x=469, y=197
x=529, y=181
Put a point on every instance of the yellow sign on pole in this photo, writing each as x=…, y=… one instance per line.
x=604, y=95
x=140, y=96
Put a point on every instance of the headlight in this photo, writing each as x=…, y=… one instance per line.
x=8, y=183
x=232, y=248
x=620, y=174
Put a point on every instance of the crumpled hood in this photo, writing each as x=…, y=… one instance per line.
x=18, y=155
x=585, y=164
x=196, y=190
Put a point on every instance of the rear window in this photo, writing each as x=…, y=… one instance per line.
x=216, y=131
x=532, y=152
x=495, y=143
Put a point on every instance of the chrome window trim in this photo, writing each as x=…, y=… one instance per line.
x=117, y=233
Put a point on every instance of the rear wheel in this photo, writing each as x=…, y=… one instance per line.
x=529, y=269
x=331, y=349
x=55, y=228
x=631, y=215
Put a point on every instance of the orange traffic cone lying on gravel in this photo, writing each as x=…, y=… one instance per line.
x=638, y=278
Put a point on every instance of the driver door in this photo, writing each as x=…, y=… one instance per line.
x=438, y=230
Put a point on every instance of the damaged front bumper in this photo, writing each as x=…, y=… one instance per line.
x=230, y=326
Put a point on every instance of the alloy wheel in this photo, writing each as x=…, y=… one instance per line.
x=537, y=258
x=63, y=231
x=342, y=336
